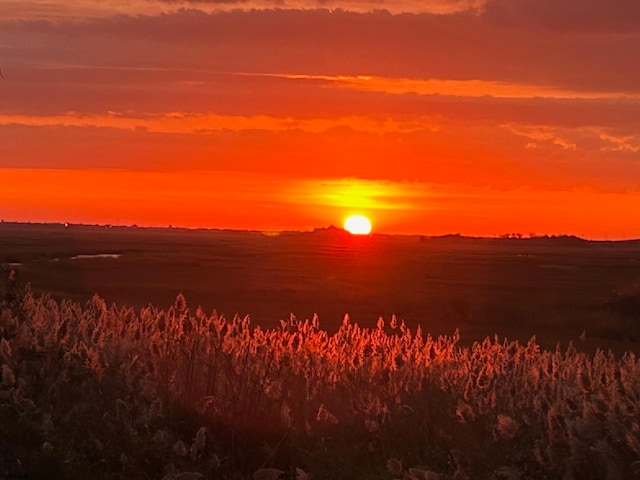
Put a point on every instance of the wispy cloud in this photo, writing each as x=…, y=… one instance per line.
x=194, y=123
x=52, y=9
x=620, y=143
x=581, y=138
x=450, y=87
x=361, y=194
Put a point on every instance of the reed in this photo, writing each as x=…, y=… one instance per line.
x=109, y=392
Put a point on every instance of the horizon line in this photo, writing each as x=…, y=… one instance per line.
x=275, y=232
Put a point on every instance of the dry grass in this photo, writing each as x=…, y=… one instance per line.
x=94, y=391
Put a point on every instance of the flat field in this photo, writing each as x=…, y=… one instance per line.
x=91, y=389
x=554, y=288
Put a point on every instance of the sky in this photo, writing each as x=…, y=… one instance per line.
x=478, y=117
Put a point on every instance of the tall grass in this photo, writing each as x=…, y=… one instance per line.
x=109, y=392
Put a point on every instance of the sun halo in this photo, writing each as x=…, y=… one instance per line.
x=357, y=225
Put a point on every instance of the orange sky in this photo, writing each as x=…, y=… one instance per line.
x=478, y=117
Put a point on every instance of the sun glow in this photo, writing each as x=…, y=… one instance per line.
x=357, y=225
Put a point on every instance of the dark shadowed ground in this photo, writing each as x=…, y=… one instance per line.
x=555, y=288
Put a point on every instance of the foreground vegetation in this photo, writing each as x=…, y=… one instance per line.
x=92, y=391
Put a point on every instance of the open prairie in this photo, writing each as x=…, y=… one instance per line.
x=554, y=288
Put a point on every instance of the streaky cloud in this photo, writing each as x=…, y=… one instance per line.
x=449, y=87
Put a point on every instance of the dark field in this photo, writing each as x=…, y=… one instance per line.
x=96, y=391
x=554, y=288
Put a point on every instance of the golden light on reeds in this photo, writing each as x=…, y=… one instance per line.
x=370, y=383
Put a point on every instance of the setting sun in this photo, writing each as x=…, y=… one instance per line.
x=357, y=225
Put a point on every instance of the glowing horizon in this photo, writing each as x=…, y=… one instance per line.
x=121, y=197
x=250, y=115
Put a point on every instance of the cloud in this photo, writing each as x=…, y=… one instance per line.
x=541, y=135
x=403, y=96
x=460, y=47
x=457, y=88
x=67, y=9
x=361, y=193
x=194, y=123
x=215, y=2
x=585, y=139
x=615, y=142
x=567, y=15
